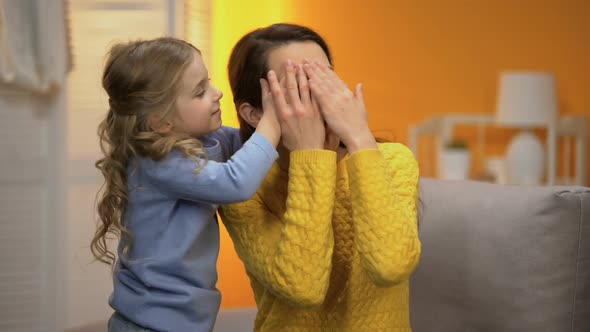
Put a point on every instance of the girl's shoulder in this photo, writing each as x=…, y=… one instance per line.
x=228, y=138
x=229, y=131
x=147, y=164
x=227, y=134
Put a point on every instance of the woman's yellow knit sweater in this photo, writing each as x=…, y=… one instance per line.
x=330, y=246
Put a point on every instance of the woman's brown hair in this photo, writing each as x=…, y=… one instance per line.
x=248, y=62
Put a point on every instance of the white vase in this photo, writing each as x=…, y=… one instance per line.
x=496, y=167
x=454, y=164
x=525, y=159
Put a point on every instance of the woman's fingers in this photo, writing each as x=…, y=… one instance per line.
x=316, y=81
x=358, y=94
x=312, y=71
x=292, y=87
x=334, y=80
x=315, y=104
x=283, y=85
x=343, y=109
x=324, y=81
x=304, y=92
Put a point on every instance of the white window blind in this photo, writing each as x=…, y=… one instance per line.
x=24, y=194
x=96, y=25
x=197, y=27
x=28, y=300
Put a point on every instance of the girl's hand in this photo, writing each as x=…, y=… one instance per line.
x=269, y=125
x=343, y=110
x=302, y=127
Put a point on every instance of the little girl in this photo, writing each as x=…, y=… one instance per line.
x=167, y=166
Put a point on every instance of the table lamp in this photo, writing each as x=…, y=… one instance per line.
x=526, y=100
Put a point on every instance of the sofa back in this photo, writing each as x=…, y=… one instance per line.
x=502, y=258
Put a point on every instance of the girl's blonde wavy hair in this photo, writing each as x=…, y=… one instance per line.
x=141, y=78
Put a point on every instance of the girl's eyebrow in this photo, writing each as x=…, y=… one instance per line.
x=201, y=83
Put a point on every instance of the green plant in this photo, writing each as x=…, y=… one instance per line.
x=456, y=144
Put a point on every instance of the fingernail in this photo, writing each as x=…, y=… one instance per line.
x=271, y=74
x=289, y=63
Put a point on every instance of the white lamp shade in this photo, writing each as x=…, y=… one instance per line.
x=526, y=99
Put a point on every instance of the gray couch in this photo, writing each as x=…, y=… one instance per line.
x=494, y=258
x=502, y=258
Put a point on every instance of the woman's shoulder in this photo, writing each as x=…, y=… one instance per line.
x=400, y=160
x=396, y=151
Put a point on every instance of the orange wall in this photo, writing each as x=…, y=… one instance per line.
x=231, y=20
x=420, y=58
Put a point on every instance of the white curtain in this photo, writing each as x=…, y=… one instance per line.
x=34, y=62
x=34, y=45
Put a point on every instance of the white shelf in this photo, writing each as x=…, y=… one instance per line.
x=576, y=126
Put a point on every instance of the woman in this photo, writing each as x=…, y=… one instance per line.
x=330, y=238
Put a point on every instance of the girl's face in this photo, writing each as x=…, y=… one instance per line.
x=197, y=105
x=296, y=52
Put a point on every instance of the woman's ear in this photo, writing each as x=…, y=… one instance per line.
x=158, y=125
x=250, y=114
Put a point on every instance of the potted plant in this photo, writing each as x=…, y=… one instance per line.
x=455, y=161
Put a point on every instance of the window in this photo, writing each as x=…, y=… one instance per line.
x=97, y=24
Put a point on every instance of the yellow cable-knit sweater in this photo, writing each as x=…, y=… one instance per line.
x=330, y=246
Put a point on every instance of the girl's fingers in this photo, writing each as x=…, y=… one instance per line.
x=277, y=94
x=266, y=96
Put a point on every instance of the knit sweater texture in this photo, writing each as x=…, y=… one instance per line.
x=330, y=246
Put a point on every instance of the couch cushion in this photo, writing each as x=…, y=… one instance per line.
x=502, y=258
x=235, y=320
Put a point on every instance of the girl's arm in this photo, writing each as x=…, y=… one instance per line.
x=290, y=254
x=216, y=183
x=384, y=194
